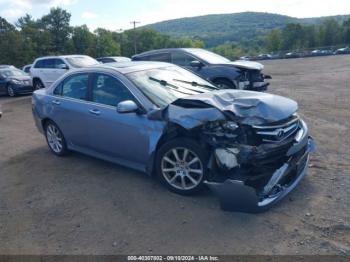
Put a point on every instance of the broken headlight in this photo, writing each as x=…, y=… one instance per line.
x=225, y=129
x=229, y=125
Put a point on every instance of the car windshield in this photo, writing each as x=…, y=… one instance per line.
x=81, y=61
x=165, y=85
x=11, y=72
x=209, y=57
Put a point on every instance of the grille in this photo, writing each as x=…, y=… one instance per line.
x=278, y=132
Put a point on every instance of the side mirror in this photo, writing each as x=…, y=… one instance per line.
x=62, y=66
x=127, y=106
x=196, y=63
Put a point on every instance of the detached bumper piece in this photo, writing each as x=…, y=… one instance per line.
x=236, y=195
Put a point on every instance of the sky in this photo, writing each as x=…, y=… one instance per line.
x=117, y=14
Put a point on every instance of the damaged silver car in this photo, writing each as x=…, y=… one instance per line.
x=249, y=148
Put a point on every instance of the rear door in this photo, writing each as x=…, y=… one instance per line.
x=60, y=68
x=70, y=109
x=44, y=69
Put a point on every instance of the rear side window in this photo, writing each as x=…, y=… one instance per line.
x=59, y=63
x=45, y=63
x=74, y=87
x=163, y=57
x=39, y=64
x=108, y=90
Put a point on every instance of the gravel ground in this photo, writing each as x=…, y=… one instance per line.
x=80, y=205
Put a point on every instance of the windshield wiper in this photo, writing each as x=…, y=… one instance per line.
x=165, y=83
x=194, y=83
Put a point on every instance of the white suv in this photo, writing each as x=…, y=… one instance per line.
x=46, y=70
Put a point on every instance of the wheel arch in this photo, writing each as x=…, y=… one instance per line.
x=223, y=78
x=172, y=131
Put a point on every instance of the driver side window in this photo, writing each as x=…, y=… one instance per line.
x=181, y=59
x=109, y=91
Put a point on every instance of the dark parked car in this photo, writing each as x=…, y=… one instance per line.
x=250, y=148
x=342, y=51
x=113, y=59
x=292, y=55
x=14, y=81
x=217, y=69
x=324, y=52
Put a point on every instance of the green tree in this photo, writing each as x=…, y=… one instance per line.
x=274, y=40
x=82, y=39
x=57, y=24
x=105, y=45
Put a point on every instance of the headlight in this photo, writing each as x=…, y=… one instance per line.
x=230, y=125
x=16, y=81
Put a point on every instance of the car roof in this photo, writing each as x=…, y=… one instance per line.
x=60, y=56
x=189, y=50
x=112, y=57
x=127, y=67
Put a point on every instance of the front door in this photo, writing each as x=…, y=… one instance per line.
x=123, y=137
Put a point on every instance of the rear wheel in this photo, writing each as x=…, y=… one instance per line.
x=55, y=139
x=181, y=166
x=37, y=84
x=10, y=91
x=224, y=84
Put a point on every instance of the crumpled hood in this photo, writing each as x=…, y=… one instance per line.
x=246, y=65
x=246, y=107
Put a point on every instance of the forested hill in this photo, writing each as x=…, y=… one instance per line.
x=218, y=29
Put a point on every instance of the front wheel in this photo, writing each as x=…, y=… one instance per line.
x=10, y=91
x=181, y=166
x=55, y=139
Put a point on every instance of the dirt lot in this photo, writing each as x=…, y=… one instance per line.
x=80, y=205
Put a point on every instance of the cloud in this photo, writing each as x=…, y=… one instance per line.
x=88, y=15
x=13, y=9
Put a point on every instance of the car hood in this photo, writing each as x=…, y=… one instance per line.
x=21, y=78
x=246, y=65
x=244, y=107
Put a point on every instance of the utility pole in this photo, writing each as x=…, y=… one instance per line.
x=135, y=44
x=120, y=32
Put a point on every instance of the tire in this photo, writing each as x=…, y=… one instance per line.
x=185, y=175
x=55, y=139
x=224, y=84
x=37, y=84
x=10, y=91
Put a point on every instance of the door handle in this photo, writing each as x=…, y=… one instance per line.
x=56, y=102
x=95, y=111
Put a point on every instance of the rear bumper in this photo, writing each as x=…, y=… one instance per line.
x=237, y=195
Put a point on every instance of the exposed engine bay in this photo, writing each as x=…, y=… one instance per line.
x=258, y=146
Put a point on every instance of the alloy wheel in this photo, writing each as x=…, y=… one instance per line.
x=54, y=138
x=10, y=91
x=182, y=168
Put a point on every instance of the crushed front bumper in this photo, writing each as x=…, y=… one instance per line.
x=236, y=195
